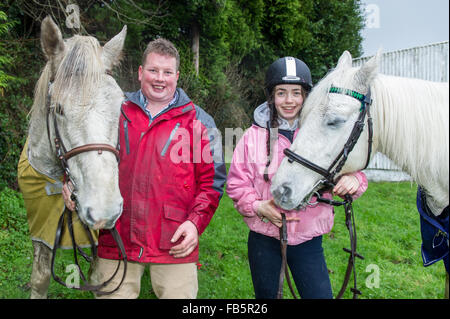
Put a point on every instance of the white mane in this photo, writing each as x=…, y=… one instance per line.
x=413, y=129
x=79, y=73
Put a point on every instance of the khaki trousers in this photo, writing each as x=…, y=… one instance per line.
x=169, y=281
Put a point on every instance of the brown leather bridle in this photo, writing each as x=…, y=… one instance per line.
x=63, y=156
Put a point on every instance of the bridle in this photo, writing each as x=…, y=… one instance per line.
x=330, y=173
x=341, y=158
x=63, y=156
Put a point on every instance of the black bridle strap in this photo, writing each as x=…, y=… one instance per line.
x=330, y=174
x=340, y=160
x=351, y=227
x=294, y=157
x=358, y=127
x=86, y=286
x=284, y=271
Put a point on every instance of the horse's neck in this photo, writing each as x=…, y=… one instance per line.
x=411, y=128
x=41, y=155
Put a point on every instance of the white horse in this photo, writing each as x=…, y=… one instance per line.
x=410, y=126
x=76, y=93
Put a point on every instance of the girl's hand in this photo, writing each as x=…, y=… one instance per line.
x=268, y=210
x=347, y=184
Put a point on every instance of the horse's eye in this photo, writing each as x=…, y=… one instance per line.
x=58, y=109
x=335, y=122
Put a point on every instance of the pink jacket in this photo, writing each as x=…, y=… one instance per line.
x=246, y=187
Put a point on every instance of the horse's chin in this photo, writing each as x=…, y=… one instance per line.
x=287, y=204
x=103, y=224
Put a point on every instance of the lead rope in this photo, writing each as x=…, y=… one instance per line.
x=86, y=286
x=284, y=271
x=351, y=226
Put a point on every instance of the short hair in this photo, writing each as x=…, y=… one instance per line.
x=163, y=47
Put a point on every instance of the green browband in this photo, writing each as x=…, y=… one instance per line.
x=354, y=94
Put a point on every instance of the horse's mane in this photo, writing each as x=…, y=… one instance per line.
x=415, y=132
x=413, y=116
x=77, y=76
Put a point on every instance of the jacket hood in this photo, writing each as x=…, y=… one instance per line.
x=262, y=114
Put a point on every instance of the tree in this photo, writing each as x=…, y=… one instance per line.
x=316, y=31
x=12, y=112
x=5, y=58
x=225, y=48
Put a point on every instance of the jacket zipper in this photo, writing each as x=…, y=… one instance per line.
x=172, y=134
x=127, y=143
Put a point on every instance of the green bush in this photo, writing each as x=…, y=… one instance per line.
x=16, y=251
x=13, y=216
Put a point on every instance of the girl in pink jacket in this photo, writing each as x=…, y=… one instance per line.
x=255, y=161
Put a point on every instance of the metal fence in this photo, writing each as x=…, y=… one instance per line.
x=429, y=62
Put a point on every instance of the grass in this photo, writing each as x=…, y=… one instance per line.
x=388, y=238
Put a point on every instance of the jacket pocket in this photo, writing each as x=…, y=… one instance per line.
x=173, y=217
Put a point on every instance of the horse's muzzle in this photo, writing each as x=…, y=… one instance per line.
x=282, y=195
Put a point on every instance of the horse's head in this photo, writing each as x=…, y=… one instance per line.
x=326, y=122
x=85, y=107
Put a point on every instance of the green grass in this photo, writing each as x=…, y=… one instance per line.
x=388, y=238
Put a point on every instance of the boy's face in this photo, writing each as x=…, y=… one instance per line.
x=159, y=77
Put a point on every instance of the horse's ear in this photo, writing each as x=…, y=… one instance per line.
x=51, y=38
x=112, y=50
x=368, y=70
x=345, y=61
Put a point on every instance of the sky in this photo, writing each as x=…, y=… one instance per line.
x=401, y=24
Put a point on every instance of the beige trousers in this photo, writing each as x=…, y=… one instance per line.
x=169, y=281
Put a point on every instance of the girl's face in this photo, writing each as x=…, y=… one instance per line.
x=288, y=101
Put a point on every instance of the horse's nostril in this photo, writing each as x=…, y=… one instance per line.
x=283, y=192
x=286, y=191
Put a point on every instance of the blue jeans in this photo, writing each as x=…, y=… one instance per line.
x=306, y=262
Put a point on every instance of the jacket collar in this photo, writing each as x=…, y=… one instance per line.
x=180, y=99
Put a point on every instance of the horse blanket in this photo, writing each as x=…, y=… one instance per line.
x=434, y=231
x=44, y=205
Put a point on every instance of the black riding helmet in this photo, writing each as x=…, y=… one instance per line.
x=288, y=70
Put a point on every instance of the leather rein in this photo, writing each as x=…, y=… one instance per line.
x=328, y=183
x=63, y=155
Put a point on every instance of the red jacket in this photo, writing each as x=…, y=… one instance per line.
x=167, y=175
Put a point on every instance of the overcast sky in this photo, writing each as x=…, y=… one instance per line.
x=400, y=24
